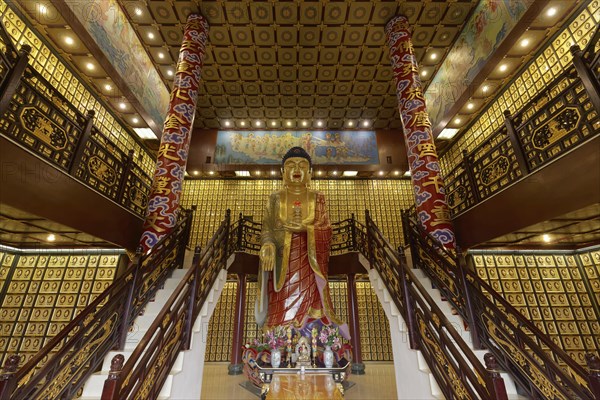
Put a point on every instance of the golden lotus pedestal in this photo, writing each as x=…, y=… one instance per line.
x=302, y=383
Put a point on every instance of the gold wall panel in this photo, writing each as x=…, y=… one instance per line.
x=548, y=65
x=556, y=291
x=41, y=293
x=384, y=199
x=374, y=328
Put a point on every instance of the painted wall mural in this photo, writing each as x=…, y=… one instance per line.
x=324, y=147
x=107, y=24
x=484, y=32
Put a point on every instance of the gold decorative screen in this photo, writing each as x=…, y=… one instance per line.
x=558, y=292
x=555, y=58
x=40, y=294
x=383, y=198
x=374, y=328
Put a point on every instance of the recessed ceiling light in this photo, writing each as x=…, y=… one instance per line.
x=135, y=120
x=273, y=123
x=211, y=172
x=51, y=237
x=138, y=11
x=145, y=133
x=122, y=105
x=350, y=123
x=90, y=66
x=503, y=67
x=396, y=173
x=243, y=123
x=551, y=12
x=272, y=172
x=349, y=173
x=485, y=88
x=69, y=40
x=304, y=123
x=333, y=172
x=161, y=55
x=227, y=123
x=170, y=72
x=524, y=42
x=319, y=123
x=319, y=173
x=42, y=9
x=289, y=123
x=381, y=173
x=433, y=56
x=257, y=173
x=365, y=123
x=423, y=73
x=470, y=106
x=546, y=238
x=196, y=172
x=257, y=123
x=457, y=120
x=150, y=35
x=108, y=87
x=447, y=133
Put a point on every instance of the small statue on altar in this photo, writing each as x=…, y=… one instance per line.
x=303, y=351
x=294, y=254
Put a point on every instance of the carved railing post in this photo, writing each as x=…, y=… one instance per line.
x=491, y=364
x=408, y=301
x=593, y=363
x=408, y=238
x=589, y=80
x=368, y=223
x=13, y=78
x=240, y=231
x=8, y=383
x=235, y=366
x=358, y=367
x=112, y=384
x=86, y=133
x=511, y=132
x=125, y=175
x=226, y=238
x=131, y=294
x=471, y=314
x=191, y=300
x=466, y=162
x=353, y=232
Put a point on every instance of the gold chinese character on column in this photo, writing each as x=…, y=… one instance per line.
x=422, y=118
x=152, y=220
x=160, y=185
x=165, y=150
x=426, y=149
x=442, y=215
x=434, y=180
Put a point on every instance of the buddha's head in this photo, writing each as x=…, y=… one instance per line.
x=296, y=167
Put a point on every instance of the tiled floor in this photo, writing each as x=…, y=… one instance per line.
x=378, y=383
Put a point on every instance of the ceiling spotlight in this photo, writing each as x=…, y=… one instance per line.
x=289, y=123
x=333, y=172
x=170, y=72
x=243, y=123
x=304, y=123
x=350, y=123
x=381, y=173
x=257, y=123
x=69, y=40
x=503, y=67
x=108, y=87
x=365, y=123
x=150, y=35
x=42, y=9
x=122, y=105
x=51, y=237
x=138, y=11
x=433, y=56
x=227, y=123
x=273, y=123
x=423, y=73
x=396, y=173
x=319, y=123
x=551, y=12
x=457, y=121
x=272, y=172
x=546, y=238
x=90, y=66
x=135, y=120
x=524, y=42
x=196, y=172
x=470, y=106
x=257, y=173
x=211, y=172
x=319, y=173
x=161, y=55
x=485, y=89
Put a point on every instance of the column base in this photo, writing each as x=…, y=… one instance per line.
x=235, y=369
x=358, y=368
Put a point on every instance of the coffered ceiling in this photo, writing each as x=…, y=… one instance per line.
x=299, y=64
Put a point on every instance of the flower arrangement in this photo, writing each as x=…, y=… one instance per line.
x=277, y=337
x=329, y=336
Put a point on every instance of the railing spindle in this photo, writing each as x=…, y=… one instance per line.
x=491, y=364
x=86, y=132
x=461, y=282
x=408, y=301
x=511, y=132
x=133, y=285
x=191, y=300
x=112, y=385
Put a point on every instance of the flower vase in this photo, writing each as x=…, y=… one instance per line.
x=328, y=357
x=275, y=358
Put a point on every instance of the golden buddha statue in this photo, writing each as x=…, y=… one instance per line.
x=294, y=254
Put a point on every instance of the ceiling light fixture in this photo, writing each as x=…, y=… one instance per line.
x=503, y=67
x=457, y=120
x=69, y=40
x=349, y=173
x=51, y=237
x=211, y=172
x=90, y=66
x=150, y=35
x=423, y=73
x=138, y=11
x=272, y=172
x=108, y=87
x=447, y=133
x=546, y=238
x=350, y=123
x=319, y=123
x=135, y=120
x=243, y=123
x=195, y=172
x=289, y=123
x=381, y=173
x=257, y=173
x=145, y=133
x=365, y=123
x=170, y=72
x=470, y=106
x=304, y=123
x=524, y=42
x=161, y=55
x=333, y=172
x=396, y=173
x=257, y=123
x=433, y=56
x=227, y=123
x=273, y=123
x=42, y=9
x=551, y=12
x=319, y=173
x=122, y=105
x=485, y=88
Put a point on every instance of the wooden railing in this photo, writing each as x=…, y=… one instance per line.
x=36, y=116
x=61, y=367
x=147, y=369
x=563, y=115
x=541, y=368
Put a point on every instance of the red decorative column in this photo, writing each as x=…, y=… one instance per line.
x=163, y=201
x=358, y=367
x=430, y=198
x=236, y=366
